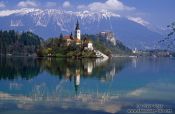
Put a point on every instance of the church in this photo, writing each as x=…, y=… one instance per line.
x=77, y=40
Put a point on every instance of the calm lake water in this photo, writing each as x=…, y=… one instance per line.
x=95, y=86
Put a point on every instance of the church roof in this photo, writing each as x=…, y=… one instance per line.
x=77, y=26
x=68, y=37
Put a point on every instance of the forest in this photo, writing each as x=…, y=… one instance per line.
x=15, y=43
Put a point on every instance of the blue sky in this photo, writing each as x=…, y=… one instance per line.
x=156, y=12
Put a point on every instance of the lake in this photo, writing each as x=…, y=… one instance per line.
x=87, y=86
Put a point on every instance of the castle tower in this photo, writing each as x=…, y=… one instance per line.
x=77, y=31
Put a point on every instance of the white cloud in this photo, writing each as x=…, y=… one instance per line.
x=2, y=5
x=27, y=3
x=139, y=20
x=66, y=4
x=112, y=5
x=51, y=4
x=137, y=92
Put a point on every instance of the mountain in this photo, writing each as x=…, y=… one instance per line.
x=51, y=22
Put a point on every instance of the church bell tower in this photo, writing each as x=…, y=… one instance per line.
x=77, y=31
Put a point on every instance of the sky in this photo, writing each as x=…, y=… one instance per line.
x=154, y=12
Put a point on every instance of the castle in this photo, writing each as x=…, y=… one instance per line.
x=76, y=39
x=109, y=36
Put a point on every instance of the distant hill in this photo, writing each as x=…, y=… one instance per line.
x=51, y=22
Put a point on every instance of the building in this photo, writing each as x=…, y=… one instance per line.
x=77, y=31
x=90, y=46
x=87, y=44
x=76, y=40
x=69, y=39
x=109, y=36
x=135, y=51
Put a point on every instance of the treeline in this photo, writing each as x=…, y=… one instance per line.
x=15, y=43
x=29, y=44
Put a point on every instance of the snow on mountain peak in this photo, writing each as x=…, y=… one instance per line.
x=139, y=20
x=51, y=12
x=51, y=22
x=22, y=11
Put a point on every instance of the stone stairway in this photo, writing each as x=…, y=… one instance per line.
x=100, y=54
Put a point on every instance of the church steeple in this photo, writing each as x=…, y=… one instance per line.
x=77, y=26
x=77, y=31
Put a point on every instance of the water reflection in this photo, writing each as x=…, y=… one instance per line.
x=64, y=69
x=63, y=82
x=91, y=85
x=14, y=68
x=28, y=68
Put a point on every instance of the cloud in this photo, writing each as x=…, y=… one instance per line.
x=66, y=4
x=2, y=5
x=139, y=20
x=112, y=5
x=51, y=4
x=27, y=3
x=137, y=92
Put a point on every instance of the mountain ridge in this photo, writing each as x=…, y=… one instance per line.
x=51, y=22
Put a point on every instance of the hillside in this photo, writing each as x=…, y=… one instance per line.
x=50, y=22
x=108, y=47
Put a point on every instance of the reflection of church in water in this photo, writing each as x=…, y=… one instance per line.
x=86, y=70
x=77, y=80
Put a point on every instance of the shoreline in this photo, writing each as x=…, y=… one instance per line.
x=64, y=57
x=2, y=55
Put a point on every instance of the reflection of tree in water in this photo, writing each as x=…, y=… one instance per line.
x=64, y=69
x=26, y=68
x=75, y=70
x=88, y=68
x=13, y=68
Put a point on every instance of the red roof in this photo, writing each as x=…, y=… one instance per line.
x=74, y=39
x=67, y=37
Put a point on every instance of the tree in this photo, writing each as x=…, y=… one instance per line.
x=12, y=42
x=61, y=36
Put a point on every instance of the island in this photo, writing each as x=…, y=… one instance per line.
x=77, y=45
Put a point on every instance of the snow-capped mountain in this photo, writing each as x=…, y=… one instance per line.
x=51, y=22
